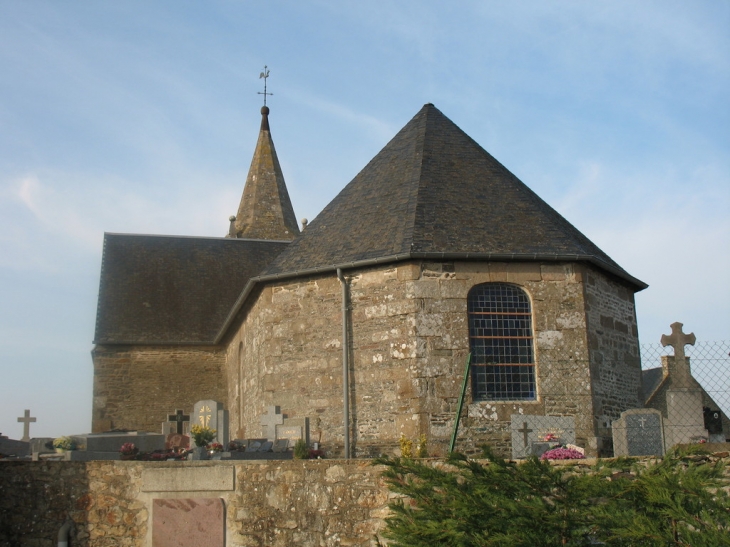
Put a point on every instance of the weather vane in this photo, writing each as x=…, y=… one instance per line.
x=265, y=75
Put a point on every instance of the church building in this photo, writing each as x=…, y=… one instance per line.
x=363, y=322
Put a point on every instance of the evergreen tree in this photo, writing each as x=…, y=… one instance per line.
x=677, y=501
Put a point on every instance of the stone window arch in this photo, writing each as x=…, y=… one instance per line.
x=501, y=343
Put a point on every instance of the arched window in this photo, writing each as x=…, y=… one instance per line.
x=500, y=338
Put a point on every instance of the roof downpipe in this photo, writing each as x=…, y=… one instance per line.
x=345, y=364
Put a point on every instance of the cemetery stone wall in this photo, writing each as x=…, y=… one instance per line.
x=137, y=387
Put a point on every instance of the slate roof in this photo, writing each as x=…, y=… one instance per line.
x=171, y=289
x=265, y=211
x=434, y=192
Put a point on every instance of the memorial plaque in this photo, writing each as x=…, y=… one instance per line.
x=639, y=432
x=177, y=442
x=188, y=522
x=281, y=445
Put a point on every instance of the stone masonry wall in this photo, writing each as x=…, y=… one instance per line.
x=274, y=504
x=409, y=341
x=614, y=351
x=138, y=387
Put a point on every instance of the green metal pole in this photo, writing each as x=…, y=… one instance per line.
x=461, y=403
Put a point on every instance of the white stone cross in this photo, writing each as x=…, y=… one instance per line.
x=26, y=419
x=270, y=420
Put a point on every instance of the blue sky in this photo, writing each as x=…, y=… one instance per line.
x=141, y=117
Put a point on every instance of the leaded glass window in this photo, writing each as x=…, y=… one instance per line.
x=500, y=337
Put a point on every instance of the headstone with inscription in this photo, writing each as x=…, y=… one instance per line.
x=293, y=429
x=527, y=430
x=209, y=413
x=639, y=432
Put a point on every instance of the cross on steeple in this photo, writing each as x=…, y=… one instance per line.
x=26, y=420
x=265, y=76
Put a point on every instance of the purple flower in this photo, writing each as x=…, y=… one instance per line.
x=562, y=454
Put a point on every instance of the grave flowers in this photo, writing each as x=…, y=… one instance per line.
x=202, y=435
x=128, y=451
x=567, y=452
x=62, y=444
x=214, y=449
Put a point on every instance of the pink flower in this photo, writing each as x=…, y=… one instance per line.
x=562, y=454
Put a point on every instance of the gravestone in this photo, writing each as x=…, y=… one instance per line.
x=713, y=424
x=638, y=432
x=209, y=413
x=281, y=445
x=270, y=420
x=293, y=429
x=191, y=522
x=26, y=421
x=254, y=445
x=527, y=430
x=685, y=421
x=179, y=423
x=11, y=447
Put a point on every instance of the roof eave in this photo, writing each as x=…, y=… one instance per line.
x=401, y=257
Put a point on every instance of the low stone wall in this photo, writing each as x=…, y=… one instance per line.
x=267, y=503
x=314, y=503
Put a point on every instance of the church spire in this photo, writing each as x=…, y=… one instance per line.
x=265, y=211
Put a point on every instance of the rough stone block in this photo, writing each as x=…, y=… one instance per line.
x=188, y=479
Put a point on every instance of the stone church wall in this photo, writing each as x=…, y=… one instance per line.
x=138, y=387
x=614, y=352
x=409, y=342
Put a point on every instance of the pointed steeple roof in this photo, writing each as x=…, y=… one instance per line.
x=434, y=192
x=265, y=211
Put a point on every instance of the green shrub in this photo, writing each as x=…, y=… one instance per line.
x=674, y=501
x=301, y=450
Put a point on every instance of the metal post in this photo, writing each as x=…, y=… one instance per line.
x=345, y=364
x=461, y=403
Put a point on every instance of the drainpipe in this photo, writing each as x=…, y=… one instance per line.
x=63, y=533
x=345, y=364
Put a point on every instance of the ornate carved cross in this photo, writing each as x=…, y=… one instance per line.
x=678, y=340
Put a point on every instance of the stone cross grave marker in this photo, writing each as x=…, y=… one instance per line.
x=678, y=340
x=527, y=430
x=180, y=418
x=26, y=419
x=270, y=420
x=638, y=432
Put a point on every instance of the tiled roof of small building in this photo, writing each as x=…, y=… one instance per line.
x=169, y=289
x=433, y=190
